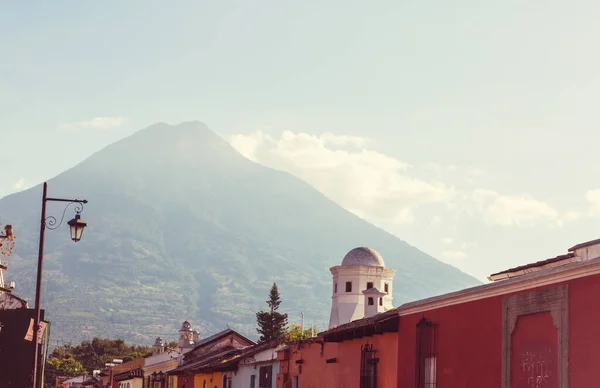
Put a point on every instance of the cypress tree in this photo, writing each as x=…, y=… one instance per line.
x=271, y=324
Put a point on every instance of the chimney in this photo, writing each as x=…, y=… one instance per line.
x=373, y=302
x=196, y=335
x=586, y=251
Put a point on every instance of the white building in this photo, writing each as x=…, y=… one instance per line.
x=362, y=287
x=164, y=360
x=258, y=367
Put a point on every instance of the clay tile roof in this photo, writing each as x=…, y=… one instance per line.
x=584, y=244
x=361, y=323
x=217, y=336
x=532, y=266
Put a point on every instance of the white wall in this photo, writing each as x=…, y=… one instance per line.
x=349, y=306
x=589, y=252
x=246, y=368
x=132, y=383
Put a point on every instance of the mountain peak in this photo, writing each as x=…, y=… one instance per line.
x=181, y=226
x=187, y=131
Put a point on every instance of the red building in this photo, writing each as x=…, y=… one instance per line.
x=360, y=352
x=534, y=326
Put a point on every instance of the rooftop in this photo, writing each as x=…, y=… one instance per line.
x=584, y=244
x=363, y=256
x=532, y=267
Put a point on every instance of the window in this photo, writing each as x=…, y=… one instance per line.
x=226, y=381
x=265, y=378
x=430, y=371
x=369, y=285
x=253, y=381
x=335, y=288
x=381, y=301
x=370, y=301
x=348, y=286
x=426, y=357
x=294, y=381
x=386, y=288
x=368, y=367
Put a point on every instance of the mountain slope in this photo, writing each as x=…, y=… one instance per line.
x=181, y=226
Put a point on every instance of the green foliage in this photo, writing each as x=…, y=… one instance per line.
x=65, y=366
x=294, y=333
x=89, y=355
x=271, y=324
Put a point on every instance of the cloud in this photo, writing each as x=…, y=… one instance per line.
x=366, y=182
x=21, y=185
x=447, y=240
x=593, y=199
x=512, y=210
x=380, y=188
x=97, y=123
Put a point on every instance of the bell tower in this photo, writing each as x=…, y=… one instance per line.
x=357, y=284
x=186, y=335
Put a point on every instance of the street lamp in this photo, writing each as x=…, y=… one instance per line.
x=76, y=226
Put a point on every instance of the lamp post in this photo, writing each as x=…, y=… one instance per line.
x=76, y=226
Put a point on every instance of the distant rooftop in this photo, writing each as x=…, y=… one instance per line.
x=584, y=244
x=528, y=268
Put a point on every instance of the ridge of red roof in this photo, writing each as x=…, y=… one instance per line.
x=536, y=264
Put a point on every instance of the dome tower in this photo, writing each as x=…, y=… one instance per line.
x=362, y=285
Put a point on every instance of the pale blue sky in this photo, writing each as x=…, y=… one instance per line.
x=501, y=95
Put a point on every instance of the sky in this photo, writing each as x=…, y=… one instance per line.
x=466, y=128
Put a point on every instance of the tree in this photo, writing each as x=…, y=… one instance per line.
x=89, y=355
x=61, y=367
x=294, y=333
x=272, y=324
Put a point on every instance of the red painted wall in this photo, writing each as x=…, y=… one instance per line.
x=469, y=345
x=345, y=372
x=470, y=339
x=534, y=360
x=584, y=330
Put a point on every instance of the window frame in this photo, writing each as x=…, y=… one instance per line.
x=426, y=354
x=368, y=367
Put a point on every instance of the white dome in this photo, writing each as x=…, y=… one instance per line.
x=364, y=257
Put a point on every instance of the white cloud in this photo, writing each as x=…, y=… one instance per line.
x=512, y=210
x=97, y=123
x=369, y=183
x=447, y=240
x=378, y=187
x=593, y=198
x=21, y=185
